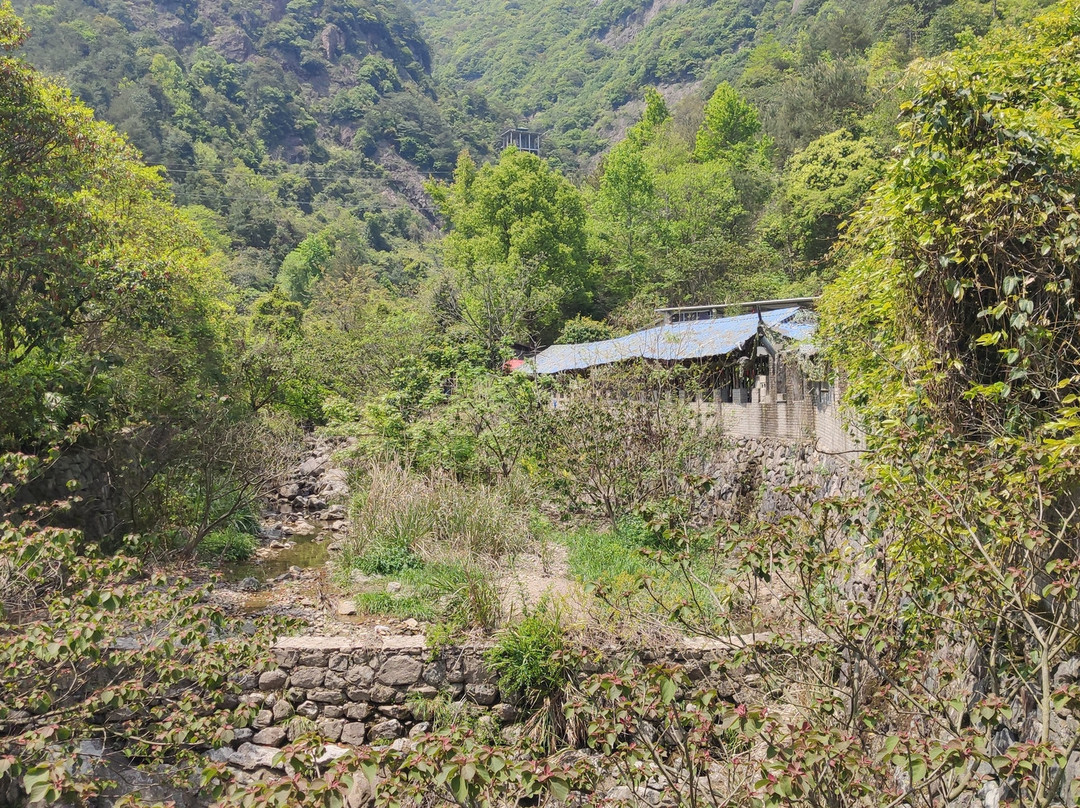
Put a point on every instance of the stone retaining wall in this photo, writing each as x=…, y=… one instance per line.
x=358, y=692
x=82, y=479
x=752, y=474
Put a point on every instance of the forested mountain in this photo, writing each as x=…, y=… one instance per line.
x=316, y=123
x=576, y=70
x=327, y=254
x=694, y=151
x=273, y=120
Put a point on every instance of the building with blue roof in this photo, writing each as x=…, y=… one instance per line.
x=751, y=357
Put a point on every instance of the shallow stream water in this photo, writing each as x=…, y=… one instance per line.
x=309, y=551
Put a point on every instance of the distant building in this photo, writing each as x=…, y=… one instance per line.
x=523, y=139
x=752, y=360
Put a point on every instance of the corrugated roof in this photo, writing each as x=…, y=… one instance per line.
x=796, y=331
x=692, y=339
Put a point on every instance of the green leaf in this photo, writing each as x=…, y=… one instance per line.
x=37, y=783
x=917, y=766
x=667, y=690
x=559, y=788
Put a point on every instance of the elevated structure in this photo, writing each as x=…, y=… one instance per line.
x=682, y=340
x=523, y=139
x=680, y=313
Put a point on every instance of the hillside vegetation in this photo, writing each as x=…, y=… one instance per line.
x=169, y=336
x=271, y=121
x=577, y=70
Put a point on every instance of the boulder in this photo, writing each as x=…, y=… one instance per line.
x=387, y=730
x=382, y=694
x=330, y=728
x=273, y=680
x=361, y=675
x=311, y=466
x=353, y=733
x=307, y=677
x=482, y=693
x=326, y=696
x=358, y=712
x=250, y=756
x=263, y=718
x=283, y=710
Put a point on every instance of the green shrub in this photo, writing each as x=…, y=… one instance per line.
x=445, y=714
x=228, y=545
x=387, y=560
x=584, y=329
x=404, y=606
x=304, y=401
x=528, y=657
x=246, y=521
x=338, y=410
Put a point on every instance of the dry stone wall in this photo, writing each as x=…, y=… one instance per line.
x=753, y=477
x=82, y=479
x=359, y=693
x=366, y=692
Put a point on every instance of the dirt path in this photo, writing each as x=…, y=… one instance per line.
x=533, y=578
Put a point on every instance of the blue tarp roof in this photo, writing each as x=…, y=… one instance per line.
x=692, y=339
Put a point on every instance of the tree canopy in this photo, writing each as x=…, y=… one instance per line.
x=965, y=257
x=517, y=233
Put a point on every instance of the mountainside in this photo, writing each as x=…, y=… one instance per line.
x=269, y=114
x=576, y=70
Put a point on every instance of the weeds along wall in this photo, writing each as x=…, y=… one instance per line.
x=378, y=690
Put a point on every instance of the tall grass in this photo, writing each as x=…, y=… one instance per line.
x=638, y=581
x=399, y=514
x=465, y=592
x=442, y=538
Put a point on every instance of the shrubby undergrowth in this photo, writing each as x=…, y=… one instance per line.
x=101, y=647
x=913, y=647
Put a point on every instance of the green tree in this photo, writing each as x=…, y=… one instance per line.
x=303, y=266
x=627, y=205
x=515, y=225
x=822, y=185
x=965, y=255
x=656, y=114
x=65, y=182
x=730, y=122
x=99, y=273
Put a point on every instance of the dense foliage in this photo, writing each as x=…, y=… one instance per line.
x=272, y=123
x=578, y=71
x=97, y=647
x=916, y=642
x=965, y=259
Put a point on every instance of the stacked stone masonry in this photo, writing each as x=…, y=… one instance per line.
x=364, y=692
x=357, y=693
x=770, y=478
